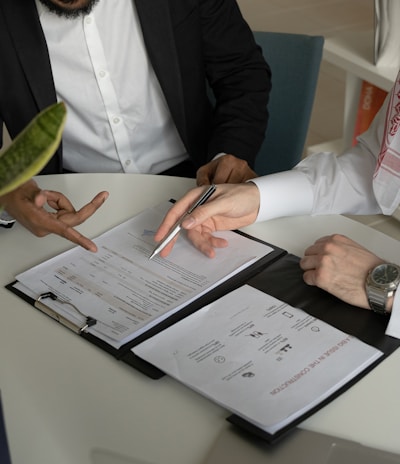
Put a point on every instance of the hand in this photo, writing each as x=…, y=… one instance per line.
x=340, y=266
x=230, y=207
x=225, y=169
x=26, y=205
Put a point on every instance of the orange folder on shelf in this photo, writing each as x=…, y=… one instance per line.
x=371, y=99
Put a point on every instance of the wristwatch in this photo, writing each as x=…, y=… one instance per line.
x=382, y=282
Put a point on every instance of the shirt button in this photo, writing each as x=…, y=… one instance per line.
x=88, y=20
x=116, y=120
x=102, y=73
x=127, y=162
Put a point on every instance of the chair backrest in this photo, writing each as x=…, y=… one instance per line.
x=294, y=60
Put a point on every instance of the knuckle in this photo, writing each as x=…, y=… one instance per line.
x=338, y=238
x=328, y=248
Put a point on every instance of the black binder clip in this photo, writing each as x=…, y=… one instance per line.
x=89, y=321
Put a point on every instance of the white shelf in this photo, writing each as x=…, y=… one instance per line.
x=353, y=51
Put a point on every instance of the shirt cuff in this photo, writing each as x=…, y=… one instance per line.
x=218, y=155
x=393, y=328
x=287, y=193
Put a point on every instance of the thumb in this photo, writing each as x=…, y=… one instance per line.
x=40, y=199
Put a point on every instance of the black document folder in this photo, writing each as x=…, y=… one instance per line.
x=124, y=353
x=277, y=274
x=283, y=279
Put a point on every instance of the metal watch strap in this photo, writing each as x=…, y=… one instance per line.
x=378, y=298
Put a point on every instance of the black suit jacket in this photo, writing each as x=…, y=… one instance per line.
x=189, y=42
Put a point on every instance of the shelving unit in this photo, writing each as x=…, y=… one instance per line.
x=352, y=51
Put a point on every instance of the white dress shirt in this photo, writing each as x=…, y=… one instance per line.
x=118, y=120
x=325, y=183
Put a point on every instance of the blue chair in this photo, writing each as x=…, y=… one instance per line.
x=294, y=60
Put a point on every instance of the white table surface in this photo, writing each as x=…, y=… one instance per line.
x=64, y=398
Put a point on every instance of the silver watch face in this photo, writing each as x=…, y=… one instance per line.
x=385, y=274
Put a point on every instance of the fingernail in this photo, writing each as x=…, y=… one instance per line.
x=188, y=223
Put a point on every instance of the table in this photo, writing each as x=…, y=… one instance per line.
x=64, y=398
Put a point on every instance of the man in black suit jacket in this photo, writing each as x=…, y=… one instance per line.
x=189, y=43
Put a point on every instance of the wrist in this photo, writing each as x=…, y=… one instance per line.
x=389, y=304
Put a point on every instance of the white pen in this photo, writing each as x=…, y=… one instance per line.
x=178, y=225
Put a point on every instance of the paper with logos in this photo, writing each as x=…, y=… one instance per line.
x=125, y=291
x=258, y=357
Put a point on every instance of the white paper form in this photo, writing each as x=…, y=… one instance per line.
x=258, y=357
x=125, y=291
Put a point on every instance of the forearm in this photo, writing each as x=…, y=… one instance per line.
x=344, y=184
x=341, y=184
x=323, y=183
x=286, y=193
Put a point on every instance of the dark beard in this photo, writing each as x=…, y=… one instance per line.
x=69, y=13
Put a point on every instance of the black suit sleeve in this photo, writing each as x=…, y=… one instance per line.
x=214, y=45
x=239, y=77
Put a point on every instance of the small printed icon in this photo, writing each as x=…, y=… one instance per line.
x=255, y=334
x=286, y=348
x=287, y=314
x=219, y=359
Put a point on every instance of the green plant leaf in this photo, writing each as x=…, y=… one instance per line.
x=30, y=151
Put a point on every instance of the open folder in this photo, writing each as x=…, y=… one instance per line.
x=119, y=300
x=118, y=297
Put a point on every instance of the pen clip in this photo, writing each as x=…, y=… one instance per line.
x=206, y=195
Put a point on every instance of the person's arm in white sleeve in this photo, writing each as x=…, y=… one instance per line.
x=325, y=183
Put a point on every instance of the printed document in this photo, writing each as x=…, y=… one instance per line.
x=258, y=357
x=125, y=291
